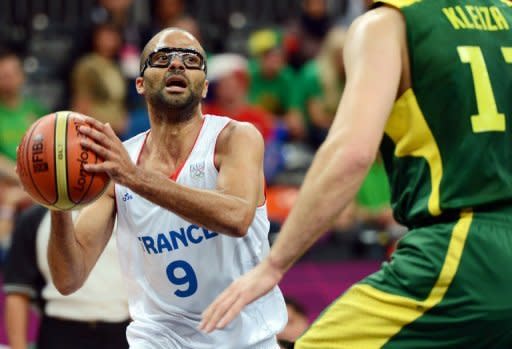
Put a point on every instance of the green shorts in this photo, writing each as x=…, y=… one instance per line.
x=448, y=285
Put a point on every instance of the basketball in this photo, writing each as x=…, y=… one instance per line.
x=50, y=163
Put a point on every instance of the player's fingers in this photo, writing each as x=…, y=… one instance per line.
x=109, y=131
x=92, y=122
x=217, y=310
x=98, y=149
x=232, y=312
x=95, y=168
x=210, y=314
x=98, y=136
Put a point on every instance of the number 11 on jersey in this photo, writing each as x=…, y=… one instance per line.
x=488, y=118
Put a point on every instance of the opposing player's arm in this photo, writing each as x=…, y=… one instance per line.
x=74, y=249
x=373, y=61
x=228, y=210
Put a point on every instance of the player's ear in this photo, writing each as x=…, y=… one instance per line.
x=139, y=85
x=205, y=88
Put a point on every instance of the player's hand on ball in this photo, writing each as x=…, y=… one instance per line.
x=104, y=142
x=251, y=286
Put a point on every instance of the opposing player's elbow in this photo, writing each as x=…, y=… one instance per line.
x=354, y=157
x=360, y=159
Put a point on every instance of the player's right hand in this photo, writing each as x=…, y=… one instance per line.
x=251, y=286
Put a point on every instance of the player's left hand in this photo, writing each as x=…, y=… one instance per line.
x=103, y=141
x=251, y=286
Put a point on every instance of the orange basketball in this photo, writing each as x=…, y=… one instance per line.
x=50, y=163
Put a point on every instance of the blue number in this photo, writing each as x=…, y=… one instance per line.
x=189, y=278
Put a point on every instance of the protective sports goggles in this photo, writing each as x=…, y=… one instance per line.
x=162, y=58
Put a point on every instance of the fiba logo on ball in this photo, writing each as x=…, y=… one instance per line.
x=38, y=162
x=50, y=162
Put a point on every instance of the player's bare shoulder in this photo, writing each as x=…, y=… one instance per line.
x=380, y=31
x=237, y=136
x=383, y=20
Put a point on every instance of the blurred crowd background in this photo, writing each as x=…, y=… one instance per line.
x=276, y=64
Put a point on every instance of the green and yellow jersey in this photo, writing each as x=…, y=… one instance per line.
x=448, y=141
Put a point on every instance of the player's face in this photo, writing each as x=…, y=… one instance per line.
x=174, y=75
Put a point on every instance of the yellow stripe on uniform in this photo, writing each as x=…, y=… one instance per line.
x=412, y=137
x=507, y=2
x=367, y=318
x=397, y=3
x=63, y=201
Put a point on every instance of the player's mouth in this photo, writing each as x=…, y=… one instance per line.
x=176, y=84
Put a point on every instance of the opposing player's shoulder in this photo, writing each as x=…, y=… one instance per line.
x=379, y=20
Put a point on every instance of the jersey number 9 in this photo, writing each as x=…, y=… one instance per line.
x=181, y=273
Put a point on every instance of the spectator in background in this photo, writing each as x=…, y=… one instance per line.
x=171, y=13
x=121, y=13
x=320, y=85
x=17, y=113
x=353, y=9
x=167, y=13
x=130, y=18
x=96, y=316
x=98, y=87
x=228, y=91
x=305, y=34
x=271, y=80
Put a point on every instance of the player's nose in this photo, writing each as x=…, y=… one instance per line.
x=176, y=63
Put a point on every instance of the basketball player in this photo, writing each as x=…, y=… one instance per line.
x=190, y=208
x=435, y=78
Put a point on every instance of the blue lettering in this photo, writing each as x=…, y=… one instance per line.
x=141, y=244
x=208, y=234
x=175, y=239
x=149, y=244
x=191, y=237
x=181, y=236
x=162, y=243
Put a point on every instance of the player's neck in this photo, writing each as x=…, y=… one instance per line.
x=173, y=141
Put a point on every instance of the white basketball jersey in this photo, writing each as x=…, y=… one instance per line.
x=174, y=269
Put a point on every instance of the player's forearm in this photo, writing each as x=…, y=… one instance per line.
x=65, y=255
x=16, y=320
x=222, y=213
x=330, y=185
